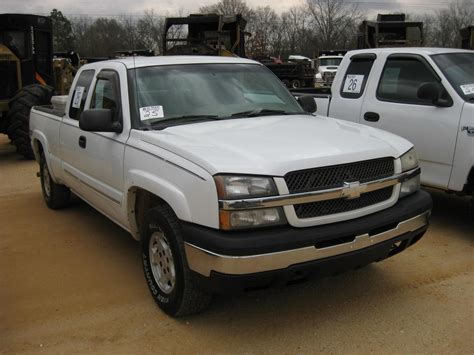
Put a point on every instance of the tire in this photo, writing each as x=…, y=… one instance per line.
x=295, y=84
x=19, y=115
x=287, y=83
x=165, y=265
x=55, y=195
x=3, y=123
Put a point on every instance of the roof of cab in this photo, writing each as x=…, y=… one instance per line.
x=413, y=50
x=138, y=62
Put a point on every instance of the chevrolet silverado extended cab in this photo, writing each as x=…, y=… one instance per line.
x=223, y=177
x=423, y=94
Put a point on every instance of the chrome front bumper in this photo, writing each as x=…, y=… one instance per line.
x=203, y=261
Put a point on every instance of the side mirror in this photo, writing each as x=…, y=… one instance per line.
x=308, y=103
x=99, y=120
x=433, y=92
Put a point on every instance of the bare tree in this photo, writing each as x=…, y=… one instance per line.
x=265, y=32
x=150, y=30
x=446, y=23
x=80, y=26
x=228, y=7
x=132, y=37
x=334, y=21
x=297, y=37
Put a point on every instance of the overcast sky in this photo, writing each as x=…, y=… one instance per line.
x=136, y=7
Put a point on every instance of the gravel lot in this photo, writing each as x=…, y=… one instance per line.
x=71, y=281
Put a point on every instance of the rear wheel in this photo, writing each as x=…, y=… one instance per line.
x=55, y=195
x=19, y=115
x=165, y=265
x=295, y=84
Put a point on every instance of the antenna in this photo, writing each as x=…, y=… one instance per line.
x=137, y=109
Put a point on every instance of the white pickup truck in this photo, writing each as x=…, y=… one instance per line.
x=425, y=95
x=228, y=183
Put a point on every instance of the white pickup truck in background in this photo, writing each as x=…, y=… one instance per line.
x=327, y=68
x=425, y=95
x=225, y=179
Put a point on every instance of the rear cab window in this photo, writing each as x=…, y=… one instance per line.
x=79, y=95
x=357, y=74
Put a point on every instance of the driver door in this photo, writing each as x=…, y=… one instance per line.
x=392, y=104
x=97, y=162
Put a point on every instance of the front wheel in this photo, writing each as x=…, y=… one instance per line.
x=165, y=265
x=55, y=195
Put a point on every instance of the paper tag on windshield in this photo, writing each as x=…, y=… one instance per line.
x=76, y=101
x=467, y=89
x=151, y=112
x=353, y=83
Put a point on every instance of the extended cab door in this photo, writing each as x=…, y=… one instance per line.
x=346, y=103
x=94, y=160
x=392, y=104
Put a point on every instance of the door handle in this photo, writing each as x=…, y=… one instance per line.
x=469, y=130
x=82, y=141
x=371, y=116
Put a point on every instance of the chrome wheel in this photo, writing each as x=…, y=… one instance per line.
x=46, y=181
x=162, y=262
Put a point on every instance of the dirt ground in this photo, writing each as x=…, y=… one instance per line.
x=71, y=281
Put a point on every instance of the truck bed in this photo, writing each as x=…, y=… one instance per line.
x=49, y=109
x=322, y=96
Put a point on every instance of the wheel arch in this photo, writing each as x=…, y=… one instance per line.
x=469, y=186
x=37, y=146
x=141, y=198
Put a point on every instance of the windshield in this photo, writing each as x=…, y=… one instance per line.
x=326, y=62
x=459, y=70
x=207, y=91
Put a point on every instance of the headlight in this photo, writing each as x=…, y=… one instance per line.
x=243, y=187
x=409, y=160
x=235, y=187
x=263, y=217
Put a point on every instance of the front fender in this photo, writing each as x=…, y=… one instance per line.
x=165, y=190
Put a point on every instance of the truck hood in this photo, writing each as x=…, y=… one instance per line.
x=275, y=145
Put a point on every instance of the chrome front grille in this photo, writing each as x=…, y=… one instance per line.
x=324, y=208
x=329, y=76
x=329, y=177
x=335, y=176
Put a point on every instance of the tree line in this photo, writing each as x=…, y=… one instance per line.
x=304, y=29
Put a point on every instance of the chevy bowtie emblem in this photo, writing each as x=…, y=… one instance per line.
x=353, y=190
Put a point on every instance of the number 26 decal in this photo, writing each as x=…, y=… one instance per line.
x=353, y=83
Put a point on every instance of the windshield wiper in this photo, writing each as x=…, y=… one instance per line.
x=264, y=112
x=178, y=120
